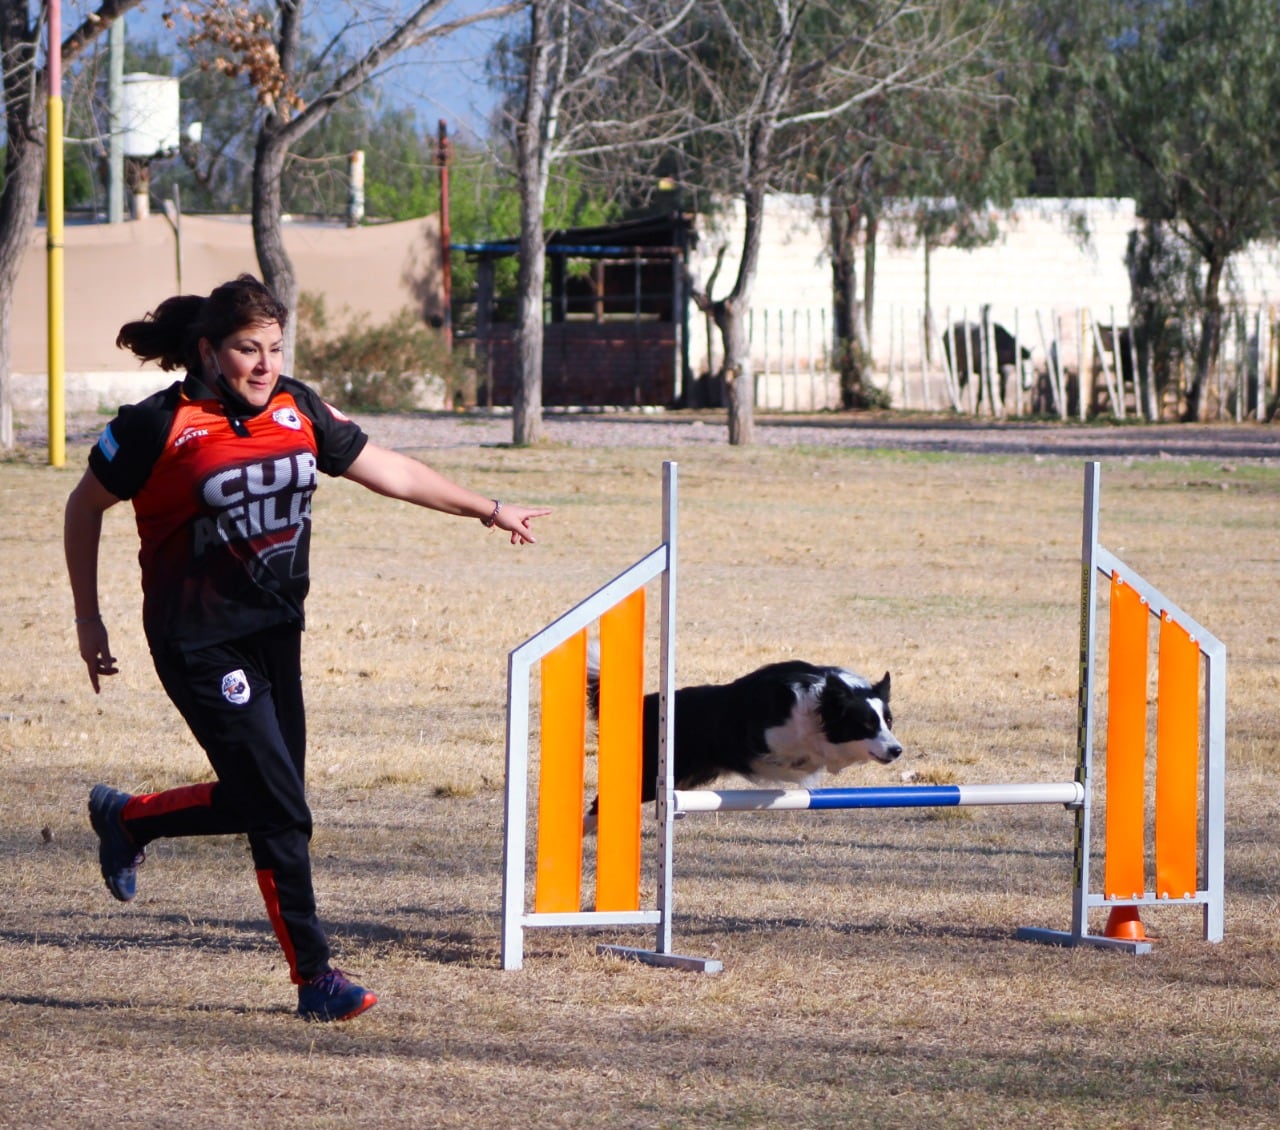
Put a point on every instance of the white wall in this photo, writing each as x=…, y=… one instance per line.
x=1053, y=260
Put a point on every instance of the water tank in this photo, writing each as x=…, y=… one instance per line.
x=150, y=116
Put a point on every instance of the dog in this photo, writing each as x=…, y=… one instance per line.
x=787, y=722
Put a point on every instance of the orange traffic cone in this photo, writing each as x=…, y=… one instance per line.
x=1123, y=922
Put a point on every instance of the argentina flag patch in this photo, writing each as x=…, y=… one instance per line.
x=108, y=444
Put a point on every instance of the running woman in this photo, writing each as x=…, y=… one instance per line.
x=220, y=468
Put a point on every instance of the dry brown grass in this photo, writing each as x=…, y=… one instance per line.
x=871, y=977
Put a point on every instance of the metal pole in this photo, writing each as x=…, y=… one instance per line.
x=446, y=263
x=1084, y=706
x=53, y=208
x=115, y=123
x=666, y=710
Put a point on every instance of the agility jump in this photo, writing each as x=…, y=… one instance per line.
x=1190, y=763
x=560, y=650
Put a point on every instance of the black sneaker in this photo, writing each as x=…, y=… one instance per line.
x=118, y=856
x=331, y=996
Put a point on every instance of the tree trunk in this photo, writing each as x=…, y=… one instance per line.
x=533, y=142
x=19, y=207
x=737, y=373
x=25, y=99
x=852, y=355
x=527, y=401
x=844, y=270
x=527, y=406
x=268, y=237
x=1207, y=350
x=869, y=276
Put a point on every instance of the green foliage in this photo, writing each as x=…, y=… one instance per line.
x=1162, y=279
x=1191, y=89
x=1189, y=93
x=371, y=367
x=1065, y=146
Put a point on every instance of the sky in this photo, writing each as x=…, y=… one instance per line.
x=443, y=80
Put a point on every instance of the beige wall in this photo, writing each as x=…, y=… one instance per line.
x=117, y=272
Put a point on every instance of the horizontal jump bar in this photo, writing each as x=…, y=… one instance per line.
x=1069, y=793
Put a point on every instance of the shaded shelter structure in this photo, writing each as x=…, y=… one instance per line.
x=615, y=316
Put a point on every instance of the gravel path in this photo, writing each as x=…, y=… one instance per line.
x=670, y=430
x=677, y=430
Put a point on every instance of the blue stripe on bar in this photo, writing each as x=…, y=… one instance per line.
x=909, y=796
x=1068, y=793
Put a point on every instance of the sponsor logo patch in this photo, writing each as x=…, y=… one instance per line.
x=189, y=434
x=287, y=418
x=235, y=687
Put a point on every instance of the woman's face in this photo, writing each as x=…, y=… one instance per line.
x=250, y=358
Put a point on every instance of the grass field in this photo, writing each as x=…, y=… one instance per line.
x=871, y=974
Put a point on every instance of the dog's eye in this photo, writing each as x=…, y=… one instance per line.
x=888, y=718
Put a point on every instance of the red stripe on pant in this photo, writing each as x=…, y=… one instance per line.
x=168, y=802
x=267, y=885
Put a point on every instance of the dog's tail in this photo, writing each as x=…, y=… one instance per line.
x=592, y=816
x=593, y=678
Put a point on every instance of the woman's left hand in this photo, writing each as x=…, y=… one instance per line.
x=515, y=521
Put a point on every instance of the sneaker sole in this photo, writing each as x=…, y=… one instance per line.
x=368, y=1001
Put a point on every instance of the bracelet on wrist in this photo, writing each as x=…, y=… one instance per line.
x=89, y=619
x=489, y=521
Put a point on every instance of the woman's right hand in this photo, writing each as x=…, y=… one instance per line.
x=95, y=650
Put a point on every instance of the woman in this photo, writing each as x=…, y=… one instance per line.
x=220, y=468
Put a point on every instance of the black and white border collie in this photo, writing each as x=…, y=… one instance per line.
x=787, y=722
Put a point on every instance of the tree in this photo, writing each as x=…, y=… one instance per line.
x=763, y=81
x=1190, y=91
x=295, y=92
x=924, y=165
x=24, y=77
x=564, y=104
x=401, y=171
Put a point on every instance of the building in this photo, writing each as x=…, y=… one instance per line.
x=115, y=273
x=615, y=320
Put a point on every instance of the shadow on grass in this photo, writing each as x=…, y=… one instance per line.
x=446, y=941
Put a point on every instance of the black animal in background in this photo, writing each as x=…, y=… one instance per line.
x=967, y=361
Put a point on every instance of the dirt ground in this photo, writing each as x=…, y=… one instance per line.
x=871, y=969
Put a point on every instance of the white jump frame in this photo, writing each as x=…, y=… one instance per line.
x=1096, y=561
x=659, y=562
x=1075, y=795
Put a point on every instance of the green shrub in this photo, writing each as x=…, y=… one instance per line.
x=366, y=367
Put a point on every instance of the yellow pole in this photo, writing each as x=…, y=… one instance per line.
x=53, y=210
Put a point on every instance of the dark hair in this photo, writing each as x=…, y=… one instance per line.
x=170, y=334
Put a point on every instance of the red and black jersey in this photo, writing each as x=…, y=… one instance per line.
x=222, y=496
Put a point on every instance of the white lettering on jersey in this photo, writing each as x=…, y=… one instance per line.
x=265, y=504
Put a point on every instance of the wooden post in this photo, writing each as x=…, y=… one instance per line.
x=1017, y=364
x=924, y=360
x=1117, y=402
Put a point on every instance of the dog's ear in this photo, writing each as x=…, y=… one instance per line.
x=881, y=689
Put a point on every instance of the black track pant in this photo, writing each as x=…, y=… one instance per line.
x=243, y=702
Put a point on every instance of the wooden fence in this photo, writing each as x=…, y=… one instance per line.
x=1031, y=362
